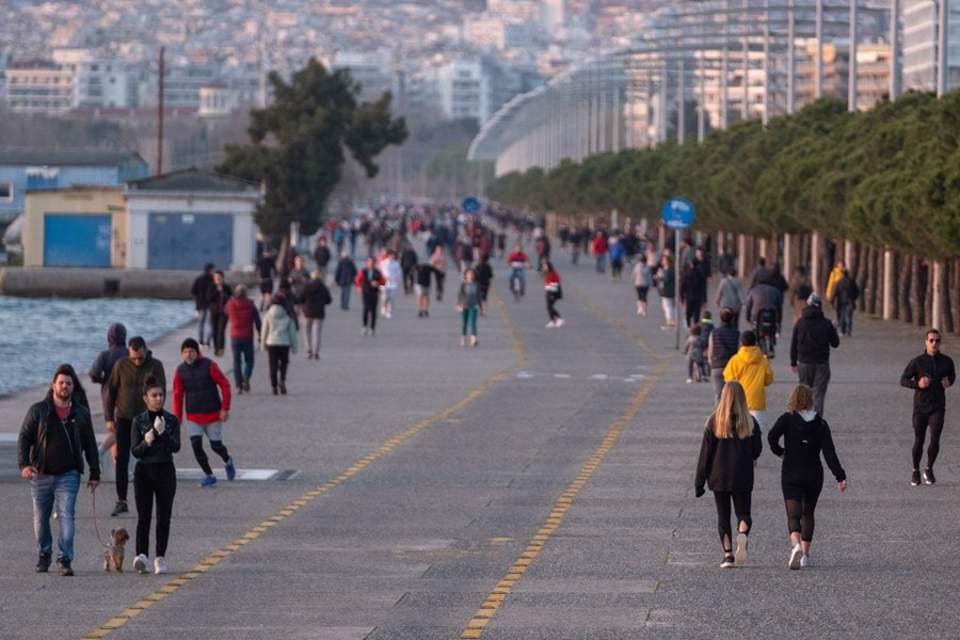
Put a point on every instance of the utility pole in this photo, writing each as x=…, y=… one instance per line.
x=159, y=169
x=942, y=80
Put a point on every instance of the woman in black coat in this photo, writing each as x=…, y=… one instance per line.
x=731, y=444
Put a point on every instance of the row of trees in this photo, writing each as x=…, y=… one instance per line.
x=888, y=178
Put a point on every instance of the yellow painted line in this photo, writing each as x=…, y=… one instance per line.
x=177, y=583
x=482, y=617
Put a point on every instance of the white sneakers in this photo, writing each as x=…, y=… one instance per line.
x=140, y=563
x=796, y=557
x=553, y=324
x=560, y=322
x=159, y=566
x=740, y=555
x=805, y=561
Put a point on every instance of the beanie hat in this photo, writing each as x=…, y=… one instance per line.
x=190, y=343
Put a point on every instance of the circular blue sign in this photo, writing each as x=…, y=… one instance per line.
x=677, y=213
x=470, y=205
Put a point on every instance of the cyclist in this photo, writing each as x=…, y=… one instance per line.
x=763, y=311
x=518, y=262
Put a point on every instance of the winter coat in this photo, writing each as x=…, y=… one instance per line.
x=243, y=317
x=279, y=329
x=33, y=441
x=726, y=464
x=752, y=370
x=316, y=297
x=346, y=272
x=728, y=294
x=763, y=296
x=666, y=283
x=201, y=290
x=813, y=335
x=845, y=293
x=835, y=274
x=164, y=445
x=722, y=345
x=125, y=387
x=103, y=365
x=692, y=287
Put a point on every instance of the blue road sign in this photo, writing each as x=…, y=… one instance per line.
x=470, y=205
x=677, y=213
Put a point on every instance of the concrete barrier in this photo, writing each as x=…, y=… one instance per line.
x=95, y=283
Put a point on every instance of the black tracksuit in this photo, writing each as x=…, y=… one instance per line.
x=801, y=477
x=156, y=477
x=813, y=336
x=929, y=404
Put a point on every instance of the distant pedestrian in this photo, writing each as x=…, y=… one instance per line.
x=729, y=295
x=393, y=278
x=693, y=349
x=102, y=367
x=202, y=392
x=244, y=323
x=721, y=346
x=267, y=270
x=438, y=260
x=124, y=403
x=468, y=304
x=156, y=437
x=321, y=254
x=752, y=370
x=845, y=294
x=642, y=281
x=599, y=248
x=279, y=339
x=554, y=293
x=424, y=276
x=316, y=297
x=731, y=444
x=666, y=283
x=369, y=281
x=813, y=336
x=408, y=265
x=617, y=252
x=693, y=288
x=929, y=374
x=217, y=296
x=201, y=297
x=345, y=275
x=806, y=435
x=801, y=288
x=484, y=277
x=835, y=274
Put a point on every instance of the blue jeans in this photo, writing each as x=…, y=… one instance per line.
x=601, y=263
x=203, y=326
x=345, y=296
x=845, y=319
x=60, y=493
x=520, y=275
x=242, y=351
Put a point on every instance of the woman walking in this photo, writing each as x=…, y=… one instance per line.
x=316, y=297
x=551, y=283
x=731, y=444
x=438, y=260
x=468, y=304
x=642, y=281
x=156, y=437
x=805, y=435
x=278, y=338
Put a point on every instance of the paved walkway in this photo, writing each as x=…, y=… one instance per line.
x=539, y=486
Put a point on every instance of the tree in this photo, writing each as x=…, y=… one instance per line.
x=297, y=144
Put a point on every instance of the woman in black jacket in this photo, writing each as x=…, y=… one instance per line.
x=315, y=299
x=805, y=435
x=156, y=437
x=731, y=444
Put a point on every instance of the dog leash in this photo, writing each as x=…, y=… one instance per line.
x=96, y=529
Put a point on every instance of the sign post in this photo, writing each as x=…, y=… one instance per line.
x=677, y=214
x=470, y=205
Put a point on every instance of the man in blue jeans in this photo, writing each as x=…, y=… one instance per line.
x=55, y=437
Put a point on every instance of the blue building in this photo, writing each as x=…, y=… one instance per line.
x=35, y=170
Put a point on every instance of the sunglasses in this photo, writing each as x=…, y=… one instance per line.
x=933, y=340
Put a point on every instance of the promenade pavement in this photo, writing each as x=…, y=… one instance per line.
x=538, y=486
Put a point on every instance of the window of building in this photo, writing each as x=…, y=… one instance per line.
x=6, y=191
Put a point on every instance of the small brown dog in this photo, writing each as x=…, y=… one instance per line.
x=113, y=554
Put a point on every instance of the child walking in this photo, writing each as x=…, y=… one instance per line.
x=155, y=438
x=731, y=444
x=693, y=349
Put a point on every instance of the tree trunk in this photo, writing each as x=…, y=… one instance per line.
x=895, y=273
x=948, y=297
x=955, y=295
x=926, y=287
x=873, y=281
x=864, y=255
x=908, y=300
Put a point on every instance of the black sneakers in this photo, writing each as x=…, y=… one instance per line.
x=915, y=478
x=120, y=508
x=928, y=477
x=65, y=569
x=43, y=563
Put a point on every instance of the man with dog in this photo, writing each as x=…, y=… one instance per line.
x=55, y=437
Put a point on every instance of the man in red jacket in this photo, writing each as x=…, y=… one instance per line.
x=201, y=386
x=600, y=251
x=243, y=318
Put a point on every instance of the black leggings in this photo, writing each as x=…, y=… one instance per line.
x=741, y=506
x=218, y=322
x=692, y=310
x=933, y=419
x=370, y=311
x=217, y=445
x=279, y=357
x=800, y=498
x=154, y=481
x=123, y=426
x=551, y=305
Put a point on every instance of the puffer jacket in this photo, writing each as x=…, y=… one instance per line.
x=752, y=370
x=279, y=330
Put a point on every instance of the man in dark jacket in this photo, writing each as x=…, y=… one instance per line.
x=201, y=294
x=316, y=297
x=408, y=264
x=322, y=253
x=55, y=437
x=217, y=297
x=845, y=294
x=369, y=281
x=125, y=402
x=693, y=290
x=929, y=374
x=344, y=277
x=723, y=343
x=813, y=336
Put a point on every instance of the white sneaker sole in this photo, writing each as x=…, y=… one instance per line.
x=740, y=555
x=140, y=566
x=796, y=556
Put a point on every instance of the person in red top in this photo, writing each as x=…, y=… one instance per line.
x=369, y=280
x=518, y=262
x=551, y=282
x=243, y=317
x=600, y=251
x=201, y=388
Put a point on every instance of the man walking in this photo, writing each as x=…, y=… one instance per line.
x=929, y=374
x=218, y=296
x=200, y=292
x=752, y=370
x=729, y=295
x=721, y=346
x=55, y=437
x=813, y=336
x=345, y=275
x=845, y=294
x=322, y=253
x=125, y=402
x=207, y=402
x=369, y=282
x=244, y=318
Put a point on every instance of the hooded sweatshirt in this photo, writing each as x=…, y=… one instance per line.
x=813, y=335
x=103, y=365
x=279, y=329
x=751, y=369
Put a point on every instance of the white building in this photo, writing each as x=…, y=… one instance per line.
x=374, y=71
x=38, y=87
x=97, y=83
x=920, y=38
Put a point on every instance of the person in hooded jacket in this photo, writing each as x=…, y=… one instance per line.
x=845, y=294
x=344, y=276
x=752, y=370
x=731, y=444
x=100, y=370
x=805, y=435
x=278, y=338
x=693, y=288
x=813, y=336
x=316, y=297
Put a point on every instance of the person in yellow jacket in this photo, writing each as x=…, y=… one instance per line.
x=835, y=275
x=752, y=370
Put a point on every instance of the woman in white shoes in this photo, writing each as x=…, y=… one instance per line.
x=551, y=283
x=805, y=435
x=731, y=445
x=155, y=438
x=468, y=304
